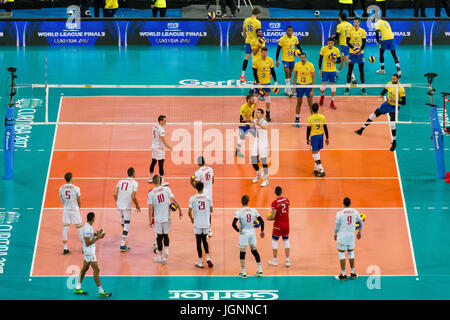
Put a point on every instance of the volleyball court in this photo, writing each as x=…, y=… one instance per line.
x=98, y=137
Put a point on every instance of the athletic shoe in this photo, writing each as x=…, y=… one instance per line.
x=242, y=78
x=286, y=92
x=316, y=172
x=290, y=93
x=273, y=262
x=158, y=259
x=239, y=154
x=150, y=180
x=298, y=123
x=394, y=144
x=242, y=275
x=322, y=99
x=80, y=292
x=124, y=249
x=265, y=182
x=258, y=176
x=381, y=71
x=399, y=73
x=359, y=131
x=210, y=264
x=165, y=184
x=268, y=118
x=210, y=234
x=332, y=105
x=288, y=263
x=261, y=98
x=259, y=274
x=353, y=276
x=346, y=91
x=105, y=294
x=66, y=251
x=319, y=173
x=199, y=265
x=354, y=81
x=363, y=92
x=340, y=277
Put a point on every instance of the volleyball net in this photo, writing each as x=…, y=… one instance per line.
x=215, y=103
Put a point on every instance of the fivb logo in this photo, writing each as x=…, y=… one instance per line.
x=74, y=20
x=275, y=25
x=173, y=25
x=221, y=146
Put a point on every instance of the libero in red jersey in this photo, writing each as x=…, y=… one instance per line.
x=280, y=216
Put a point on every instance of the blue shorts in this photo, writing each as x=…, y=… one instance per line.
x=344, y=50
x=248, y=48
x=329, y=76
x=387, y=44
x=387, y=108
x=262, y=90
x=317, y=142
x=303, y=91
x=356, y=58
x=243, y=130
x=288, y=64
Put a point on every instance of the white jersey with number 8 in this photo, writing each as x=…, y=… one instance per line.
x=159, y=198
x=68, y=194
x=125, y=188
x=246, y=217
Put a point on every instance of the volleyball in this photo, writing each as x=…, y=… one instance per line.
x=332, y=56
x=211, y=16
x=275, y=90
x=297, y=52
x=100, y=232
x=261, y=40
x=356, y=51
x=172, y=207
x=256, y=224
x=372, y=59
x=363, y=217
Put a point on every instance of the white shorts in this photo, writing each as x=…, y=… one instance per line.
x=72, y=217
x=260, y=149
x=247, y=238
x=344, y=247
x=201, y=230
x=124, y=215
x=158, y=153
x=90, y=257
x=162, y=227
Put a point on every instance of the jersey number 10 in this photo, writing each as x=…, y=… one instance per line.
x=161, y=198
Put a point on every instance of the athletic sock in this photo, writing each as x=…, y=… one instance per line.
x=382, y=65
x=78, y=285
x=343, y=272
x=100, y=290
x=208, y=257
x=243, y=270
x=353, y=270
x=259, y=267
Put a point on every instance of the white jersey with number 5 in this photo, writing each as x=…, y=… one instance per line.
x=201, y=207
x=157, y=133
x=345, y=226
x=246, y=217
x=159, y=198
x=126, y=187
x=68, y=194
x=205, y=175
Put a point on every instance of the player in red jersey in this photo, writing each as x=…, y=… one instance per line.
x=280, y=216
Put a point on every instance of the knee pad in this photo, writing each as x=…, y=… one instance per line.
x=351, y=254
x=274, y=244
x=242, y=255
x=333, y=90
x=286, y=243
x=166, y=240
x=267, y=98
x=341, y=255
x=392, y=125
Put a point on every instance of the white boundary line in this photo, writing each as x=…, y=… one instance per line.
x=149, y=150
x=45, y=188
x=225, y=276
x=257, y=208
x=238, y=178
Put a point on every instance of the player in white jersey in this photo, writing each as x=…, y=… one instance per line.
x=90, y=260
x=247, y=235
x=200, y=209
x=260, y=149
x=71, y=199
x=158, y=144
x=344, y=234
x=125, y=195
x=158, y=202
x=205, y=175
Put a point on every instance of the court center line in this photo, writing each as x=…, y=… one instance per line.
x=239, y=178
x=190, y=150
x=257, y=208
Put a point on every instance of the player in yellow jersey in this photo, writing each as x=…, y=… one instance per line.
x=314, y=137
x=246, y=114
x=356, y=41
x=304, y=74
x=287, y=45
x=110, y=8
x=342, y=30
x=249, y=31
x=329, y=55
x=257, y=44
x=383, y=30
x=263, y=69
x=388, y=107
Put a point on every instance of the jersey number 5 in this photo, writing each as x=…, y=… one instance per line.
x=67, y=195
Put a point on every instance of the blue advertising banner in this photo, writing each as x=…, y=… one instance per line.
x=201, y=32
x=173, y=33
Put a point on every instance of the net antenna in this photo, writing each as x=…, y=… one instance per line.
x=445, y=96
x=10, y=122
x=437, y=134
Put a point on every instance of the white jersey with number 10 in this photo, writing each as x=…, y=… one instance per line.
x=159, y=198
